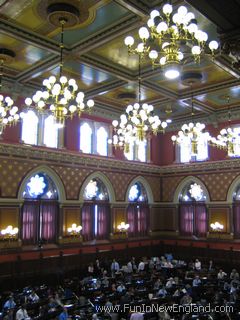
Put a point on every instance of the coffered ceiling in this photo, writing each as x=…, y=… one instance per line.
x=95, y=55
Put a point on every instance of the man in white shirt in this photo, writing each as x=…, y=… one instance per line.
x=221, y=274
x=114, y=267
x=22, y=314
x=141, y=266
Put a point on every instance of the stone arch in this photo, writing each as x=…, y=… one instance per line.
x=52, y=174
x=104, y=179
x=146, y=185
x=184, y=182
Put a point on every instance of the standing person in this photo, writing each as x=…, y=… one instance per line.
x=114, y=267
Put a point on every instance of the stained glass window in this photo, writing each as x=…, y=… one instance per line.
x=137, y=192
x=193, y=192
x=29, y=127
x=95, y=190
x=40, y=186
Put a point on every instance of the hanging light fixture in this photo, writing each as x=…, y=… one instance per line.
x=60, y=96
x=191, y=133
x=228, y=138
x=8, y=111
x=136, y=123
x=168, y=38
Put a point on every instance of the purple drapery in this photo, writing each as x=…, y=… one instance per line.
x=103, y=217
x=48, y=221
x=143, y=217
x=138, y=217
x=29, y=222
x=200, y=220
x=236, y=219
x=87, y=221
x=131, y=220
x=186, y=219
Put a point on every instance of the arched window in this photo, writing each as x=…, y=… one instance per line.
x=95, y=211
x=137, y=151
x=86, y=136
x=29, y=127
x=138, y=210
x=40, y=210
x=185, y=150
x=192, y=210
x=236, y=211
x=102, y=141
x=94, y=137
x=50, y=138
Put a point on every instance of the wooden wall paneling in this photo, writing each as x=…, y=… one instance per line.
x=70, y=215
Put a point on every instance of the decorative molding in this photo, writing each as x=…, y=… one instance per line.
x=24, y=34
x=98, y=163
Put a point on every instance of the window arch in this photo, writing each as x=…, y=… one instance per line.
x=40, y=211
x=192, y=209
x=94, y=137
x=30, y=123
x=137, y=210
x=50, y=135
x=95, y=210
x=102, y=141
x=184, y=150
x=86, y=133
x=137, y=151
x=40, y=129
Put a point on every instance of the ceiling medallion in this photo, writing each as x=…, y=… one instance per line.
x=191, y=78
x=63, y=11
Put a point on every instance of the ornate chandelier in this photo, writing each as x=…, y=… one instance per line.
x=8, y=111
x=228, y=138
x=60, y=96
x=168, y=39
x=136, y=123
x=191, y=133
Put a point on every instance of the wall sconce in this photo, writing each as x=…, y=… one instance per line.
x=123, y=227
x=9, y=232
x=74, y=230
x=216, y=226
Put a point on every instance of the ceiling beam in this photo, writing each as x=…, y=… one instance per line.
x=136, y=7
x=165, y=92
x=34, y=38
x=104, y=88
x=109, y=67
x=36, y=70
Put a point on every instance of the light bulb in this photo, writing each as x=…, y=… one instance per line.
x=167, y=8
x=129, y=41
x=213, y=45
x=153, y=54
x=143, y=33
x=154, y=14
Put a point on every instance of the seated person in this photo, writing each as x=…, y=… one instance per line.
x=170, y=283
x=22, y=314
x=221, y=274
x=33, y=297
x=196, y=281
x=162, y=292
x=9, y=304
x=197, y=265
x=186, y=299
